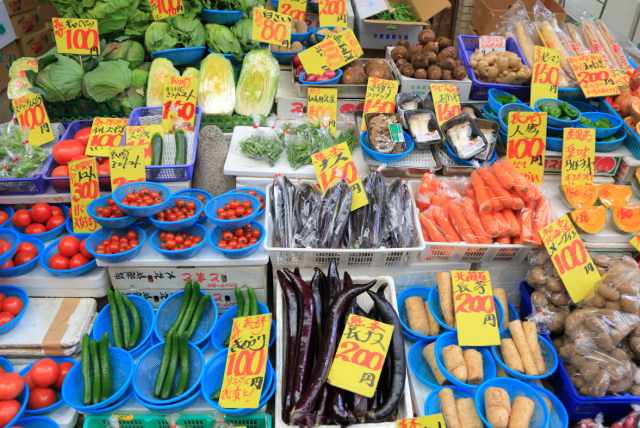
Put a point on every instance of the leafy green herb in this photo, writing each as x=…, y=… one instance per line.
x=402, y=13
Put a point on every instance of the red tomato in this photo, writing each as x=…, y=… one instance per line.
x=28, y=381
x=242, y=240
x=21, y=219
x=11, y=384
x=3, y=217
x=82, y=136
x=78, y=157
x=23, y=257
x=240, y=211
x=247, y=228
x=256, y=233
x=55, y=221
x=5, y=247
x=8, y=410
x=65, y=150
x=83, y=250
x=34, y=229
x=104, y=169
x=60, y=171
x=5, y=317
x=77, y=261
x=39, y=398
x=44, y=373
x=55, y=210
x=104, y=161
x=27, y=246
x=59, y=262
x=246, y=204
x=8, y=265
x=64, y=369
x=13, y=305
x=69, y=246
x=227, y=236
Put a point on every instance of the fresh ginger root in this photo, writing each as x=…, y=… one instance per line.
x=502, y=67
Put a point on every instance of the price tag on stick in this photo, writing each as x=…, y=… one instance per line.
x=83, y=181
x=431, y=421
x=246, y=362
x=106, y=133
x=380, y=97
x=526, y=141
x=333, y=13
x=141, y=136
x=322, y=106
x=570, y=258
x=446, y=102
x=360, y=355
x=332, y=53
x=127, y=165
x=492, y=44
x=76, y=36
x=179, y=99
x=293, y=8
x=578, y=156
x=635, y=241
x=161, y=9
x=474, y=308
x=546, y=74
x=30, y=112
x=594, y=77
x=271, y=27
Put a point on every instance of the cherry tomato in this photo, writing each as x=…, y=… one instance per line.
x=197, y=239
x=34, y=229
x=171, y=243
x=251, y=192
x=256, y=233
x=8, y=265
x=69, y=246
x=131, y=197
x=238, y=232
x=77, y=261
x=171, y=235
x=114, y=248
x=248, y=211
x=191, y=205
x=242, y=240
x=41, y=212
x=115, y=237
x=64, y=368
x=247, y=228
x=55, y=221
x=83, y=250
x=132, y=234
x=220, y=211
x=252, y=241
x=23, y=257
x=154, y=194
x=5, y=317
x=234, y=204
x=240, y=211
x=200, y=198
x=179, y=240
x=59, y=262
x=246, y=204
x=232, y=245
x=227, y=236
x=21, y=219
x=39, y=398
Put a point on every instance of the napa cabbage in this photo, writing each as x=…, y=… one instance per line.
x=216, y=88
x=160, y=69
x=257, y=83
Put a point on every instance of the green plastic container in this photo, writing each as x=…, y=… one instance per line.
x=227, y=123
x=190, y=421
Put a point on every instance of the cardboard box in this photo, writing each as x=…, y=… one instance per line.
x=29, y=22
x=627, y=169
x=487, y=13
x=15, y=7
x=7, y=35
x=37, y=43
x=8, y=55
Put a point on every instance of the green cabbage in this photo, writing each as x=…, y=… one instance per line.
x=257, y=83
x=131, y=98
x=45, y=87
x=59, y=81
x=129, y=50
x=242, y=31
x=108, y=80
x=189, y=29
x=131, y=17
x=139, y=78
x=18, y=87
x=221, y=40
x=216, y=88
x=20, y=65
x=160, y=69
x=160, y=36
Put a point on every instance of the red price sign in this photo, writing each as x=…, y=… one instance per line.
x=271, y=27
x=578, y=156
x=380, y=97
x=594, y=77
x=446, y=102
x=475, y=312
x=106, y=133
x=332, y=53
x=293, y=8
x=161, y=9
x=31, y=114
x=526, y=143
x=178, y=103
x=333, y=13
x=76, y=36
x=83, y=180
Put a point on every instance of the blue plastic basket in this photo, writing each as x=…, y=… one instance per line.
x=554, y=144
x=22, y=398
x=167, y=409
x=434, y=306
x=432, y=403
x=333, y=81
x=222, y=329
x=37, y=422
x=459, y=161
x=216, y=235
x=52, y=249
x=108, y=410
x=9, y=291
x=320, y=37
x=142, y=223
x=60, y=401
x=381, y=157
x=102, y=323
x=558, y=417
x=314, y=6
x=6, y=365
x=194, y=193
x=548, y=353
x=608, y=146
x=182, y=56
x=287, y=57
x=49, y=234
x=582, y=106
x=552, y=121
x=258, y=192
x=488, y=115
x=422, y=292
x=632, y=142
x=147, y=368
x=121, y=374
x=180, y=225
x=301, y=37
x=27, y=267
x=121, y=192
x=488, y=364
x=210, y=210
x=513, y=315
x=506, y=109
x=168, y=312
x=419, y=365
x=554, y=132
x=222, y=17
x=614, y=119
x=493, y=94
x=514, y=388
x=410, y=336
x=571, y=94
x=231, y=58
x=100, y=235
x=7, y=209
x=186, y=253
x=110, y=223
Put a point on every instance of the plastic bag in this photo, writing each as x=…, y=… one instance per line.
x=173, y=419
x=427, y=190
x=599, y=329
x=285, y=225
x=517, y=21
x=618, y=290
x=263, y=144
x=302, y=139
x=591, y=423
x=631, y=420
x=577, y=44
x=554, y=38
x=598, y=39
x=551, y=300
x=464, y=216
x=407, y=102
x=376, y=202
x=306, y=202
x=334, y=214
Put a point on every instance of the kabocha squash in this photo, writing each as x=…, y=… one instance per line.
x=589, y=220
x=637, y=175
x=611, y=195
x=626, y=219
x=579, y=196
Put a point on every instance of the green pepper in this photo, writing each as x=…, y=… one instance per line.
x=506, y=99
x=544, y=108
x=505, y=118
x=568, y=110
x=556, y=112
x=600, y=124
x=586, y=122
x=24, y=169
x=605, y=120
x=491, y=111
x=604, y=140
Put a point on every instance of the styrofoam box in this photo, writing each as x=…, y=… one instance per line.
x=376, y=36
x=627, y=169
x=405, y=410
x=292, y=108
x=41, y=283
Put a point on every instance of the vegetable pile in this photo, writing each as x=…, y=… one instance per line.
x=236, y=209
x=25, y=252
x=11, y=385
x=96, y=370
x=563, y=112
x=18, y=158
x=245, y=307
x=72, y=253
x=179, y=31
x=178, y=241
x=11, y=308
x=240, y=238
x=180, y=211
x=502, y=67
x=128, y=337
x=117, y=244
x=143, y=198
x=45, y=377
x=39, y=219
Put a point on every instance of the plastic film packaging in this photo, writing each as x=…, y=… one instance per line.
x=463, y=136
x=423, y=126
x=399, y=228
x=264, y=143
x=283, y=211
x=550, y=301
x=597, y=422
x=619, y=288
x=407, y=102
x=173, y=419
x=303, y=138
x=517, y=21
x=596, y=37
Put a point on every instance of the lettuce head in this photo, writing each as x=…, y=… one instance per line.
x=108, y=80
x=160, y=36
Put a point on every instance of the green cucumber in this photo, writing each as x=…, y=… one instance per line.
x=198, y=314
x=239, y=300
x=173, y=366
x=97, y=384
x=246, y=311
x=193, y=302
x=157, y=143
x=115, y=320
x=137, y=324
x=105, y=368
x=181, y=148
x=124, y=318
x=86, y=370
x=185, y=364
x=254, y=302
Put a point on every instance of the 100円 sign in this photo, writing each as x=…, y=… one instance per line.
x=76, y=36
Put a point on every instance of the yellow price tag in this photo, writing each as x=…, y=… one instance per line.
x=446, y=102
x=322, y=106
x=124, y=417
x=360, y=355
x=293, y=8
x=594, y=77
x=526, y=141
x=546, y=74
x=271, y=27
x=635, y=241
x=246, y=362
x=620, y=77
x=380, y=97
x=335, y=163
x=141, y=136
x=127, y=165
x=578, y=156
x=430, y=421
x=161, y=9
x=474, y=307
x=106, y=133
x=332, y=53
x=570, y=258
x=76, y=36
x=83, y=181
x=30, y=112
x=333, y=13
x=179, y=100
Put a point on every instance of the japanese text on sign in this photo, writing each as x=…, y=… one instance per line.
x=492, y=44
x=332, y=53
x=360, y=355
x=83, y=181
x=430, y=421
x=594, y=77
x=106, y=133
x=322, y=105
x=76, y=36
x=179, y=103
x=546, y=74
x=141, y=136
x=293, y=8
x=526, y=138
x=127, y=165
x=578, y=156
x=620, y=77
x=474, y=307
x=333, y=13
x=30, y=112
x=335, y=163
x=446, y=102
x=246, y=362
x=161, y=9
x=271, y=27
x=570, y=258
x=380, y=97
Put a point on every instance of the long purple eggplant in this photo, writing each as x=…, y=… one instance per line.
x=334, y=281
x=321, y=407
x=316, y=283
x=303, y=407
x=291, y=301
x=340, y=411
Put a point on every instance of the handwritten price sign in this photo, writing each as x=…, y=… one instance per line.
x=322, y=106
x=76, y=36
x=271, y=27
x=293, y=8
x=246, y=362
x=527, y=136
x=333, y=13
x=161, y=9
x=141, y=136
x=620, y=77
x=546, y=74
x=492, y=44
x=83, y=180
x=431, y=421
x=475, y=311
x=360, y=356
x=179, y=99
x=127, y=165
x=332, y=53
x=594, y=77
x=380, y=97
x=447, y=102
x=635, y=241
x=31, y=114
x=577, y=270
x=106, y=133
x=578, y=156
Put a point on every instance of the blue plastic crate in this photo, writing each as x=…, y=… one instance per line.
x=548, y=354
x=183, y=254
x=632, y=142
x=183, y=56
x=222, y=329
x=179, y=225
x=168, y=312
x=60, y=401
x=432, y=403
x=488, y=364
x=49, y=234
x=27, y=267
x=514, y=388
x=52, y=249
x=9, y=291
x=571, y=94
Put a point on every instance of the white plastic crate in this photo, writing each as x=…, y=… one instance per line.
x=405, y=410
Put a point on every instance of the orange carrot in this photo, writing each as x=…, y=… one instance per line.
x=423, y=199
x=504, y=228
x=520, y=183
x=537, y=193
x=436, y=201
x=447, y=230
x=505, y=240
x=484, y=201
x=492, y=183
x=502, y=175
x=495, y=202
x=526, y=236
x=469, y=192
x=461, y=223
x=431, y=181
x=518, y=203
x=428, y=223
x=424, y=235
x=446, y=200
x=474, y=221
x=541, y=219
x=489, y=223
x=514, y=226
x=515, y=240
